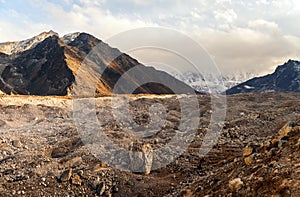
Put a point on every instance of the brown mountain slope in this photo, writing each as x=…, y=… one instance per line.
x=51, y=67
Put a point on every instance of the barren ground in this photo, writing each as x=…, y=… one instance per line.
x=257, y=154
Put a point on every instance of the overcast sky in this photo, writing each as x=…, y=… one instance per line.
x=241, y=35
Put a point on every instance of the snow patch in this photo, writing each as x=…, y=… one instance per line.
x=20, y=46
x=209, y=83
x=68, y=38
x=248, y=87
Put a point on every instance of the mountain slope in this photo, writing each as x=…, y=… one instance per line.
x=53, y=66
x=40, y=71
x=286, y=78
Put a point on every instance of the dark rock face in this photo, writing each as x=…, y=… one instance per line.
x=286, y=78
x=3, y=55
x=84, y=42
x=40, y=71
x=50, y=68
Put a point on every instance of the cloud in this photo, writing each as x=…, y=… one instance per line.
x=227, y=16
x=248, y=49
x=263, y=24
x=244, y=35
x=88, y=16
x=11, y=32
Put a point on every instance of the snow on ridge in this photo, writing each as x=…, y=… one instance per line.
x=70, y=37
x=209, y=83
x=20, y=46
x=248, y=87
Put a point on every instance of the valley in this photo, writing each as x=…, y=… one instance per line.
x=257, y=152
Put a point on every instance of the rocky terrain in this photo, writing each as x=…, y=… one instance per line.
x=257, y=153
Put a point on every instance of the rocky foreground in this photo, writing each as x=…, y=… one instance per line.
x=257, y=154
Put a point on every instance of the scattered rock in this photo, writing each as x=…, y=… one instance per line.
x=76, y=180
x=286, y=129
x=141, y=157
x=235, y=184
x=98, y=167
x=66, y=175
x=284, y=184
x=66, y=147
x=115, y=189
x=248, y=160
x=2, y=123
x=76, y=161
x=17, y=143
x=254, y=151
x=247, y=151
x=100, y=188
x=1, y=143
x=107, y=194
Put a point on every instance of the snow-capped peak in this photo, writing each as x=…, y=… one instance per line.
x=20, y=46
x=70, y=37
x=208, y=82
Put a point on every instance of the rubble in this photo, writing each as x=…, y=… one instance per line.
x=235, y=184
x=17, y=143
x=253, y=156
x=66, y=175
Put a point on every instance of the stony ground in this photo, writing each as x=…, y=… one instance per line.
x=257, y=153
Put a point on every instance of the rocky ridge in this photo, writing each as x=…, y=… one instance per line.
x=48, y=65
x=21, y=46
x=286, y=78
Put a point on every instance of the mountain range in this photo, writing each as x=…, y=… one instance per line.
x=205, y=82
x=48, y=65
x=51, y=65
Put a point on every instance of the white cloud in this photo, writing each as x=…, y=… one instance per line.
x=223, y=1
x=11, y=32
x=239, y=34
x=263, y=23
x=226, y=16
x=89, y=17
x=262, y=2
x=249, y=49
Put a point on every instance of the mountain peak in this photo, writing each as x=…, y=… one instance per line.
x=295, y=64
x=10, y=48
x=84, y=41
x=286, y=78
x=293, y=61
x=68, y=38
x=20, y=46
x=46, y=34
x=48, y=65
x=290, y=65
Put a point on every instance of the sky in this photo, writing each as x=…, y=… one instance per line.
x=240, y=35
